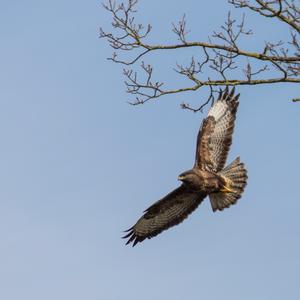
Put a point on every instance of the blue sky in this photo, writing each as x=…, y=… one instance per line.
x=78, y=165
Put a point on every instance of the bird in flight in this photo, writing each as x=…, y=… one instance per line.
x=208, y=177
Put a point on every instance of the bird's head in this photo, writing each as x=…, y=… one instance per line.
x=188, y=177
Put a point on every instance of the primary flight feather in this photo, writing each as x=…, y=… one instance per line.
x=208, y=177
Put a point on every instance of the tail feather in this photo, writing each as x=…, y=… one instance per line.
x=236, y=175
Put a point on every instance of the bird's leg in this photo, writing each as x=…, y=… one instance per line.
x=226, y=188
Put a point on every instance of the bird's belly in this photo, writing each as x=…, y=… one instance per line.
x=206, y=185
x=212, y=184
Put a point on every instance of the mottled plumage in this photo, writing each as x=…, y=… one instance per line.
x=208, y=177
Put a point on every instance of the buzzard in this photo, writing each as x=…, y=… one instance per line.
x=208, y=177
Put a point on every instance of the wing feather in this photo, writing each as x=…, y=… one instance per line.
x=203, y=152
x=165, y=213
x=215, y=135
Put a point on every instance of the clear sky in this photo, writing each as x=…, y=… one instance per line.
x=78, y=165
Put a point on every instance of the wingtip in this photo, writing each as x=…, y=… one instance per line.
x=225, y=93
x=220, y=94
x=135, y=242
x=132, y=237
x=127, y=235
x=128, y=229
x=228, y=95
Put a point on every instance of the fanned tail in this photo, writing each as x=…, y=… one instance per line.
x=235, y=176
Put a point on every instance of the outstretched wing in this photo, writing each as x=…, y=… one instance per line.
x=215, y=136
x=165, y=213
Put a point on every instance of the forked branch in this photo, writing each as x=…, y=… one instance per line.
x=223, y=58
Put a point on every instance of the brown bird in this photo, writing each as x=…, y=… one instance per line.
x=208, y=177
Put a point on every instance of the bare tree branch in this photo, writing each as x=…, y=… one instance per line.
x=274, y=9
x=221, y=54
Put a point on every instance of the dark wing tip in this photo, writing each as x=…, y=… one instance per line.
x=128, y=229
x=127, y=235
x=132, y=237
x=224, y=94
x=229, y=96
x=232, y=92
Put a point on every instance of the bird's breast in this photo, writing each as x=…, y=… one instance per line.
x=209, y=181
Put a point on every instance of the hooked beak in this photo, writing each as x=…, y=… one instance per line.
x=180, y=177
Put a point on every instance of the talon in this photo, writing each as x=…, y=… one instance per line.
x=226, y=189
